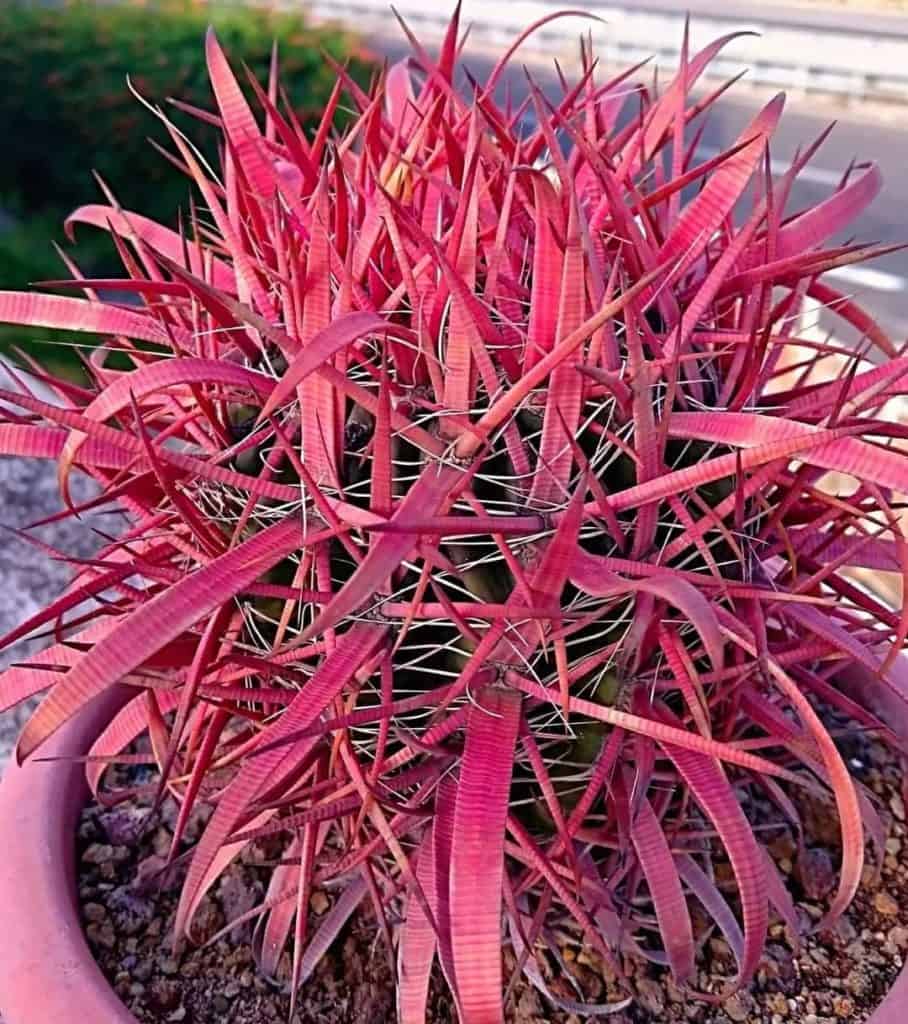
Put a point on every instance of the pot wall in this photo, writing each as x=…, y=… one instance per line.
x=47, y=972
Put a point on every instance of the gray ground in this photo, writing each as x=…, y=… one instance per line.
x=29, y=577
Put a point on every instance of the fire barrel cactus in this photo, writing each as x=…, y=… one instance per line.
x=491, y=526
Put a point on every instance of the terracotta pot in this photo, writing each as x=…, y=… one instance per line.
x=48, y=974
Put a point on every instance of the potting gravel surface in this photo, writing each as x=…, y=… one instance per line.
x=840, y=976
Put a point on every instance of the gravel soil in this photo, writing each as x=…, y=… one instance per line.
x=838, y=976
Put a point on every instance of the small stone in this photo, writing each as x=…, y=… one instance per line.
x=783, y=846
x=821, y=823
x=101, y=935
x=97, y=853
x=898, y=936
x=161, y=840
x=169, y=966
x=319, y=902
x=94, y=912
x=843, y=1007
x=897, y=806
x=675, y=994
x=845, y=931
x=893, y=846
x=777, y=1005
x=651, y=996
x=123, y=825
x=858, y=983
x=813, y=911
x=208, y=919
x=164, y=995
x=150, y=873
x=735, y=1009
x=178, y=1014
x=236, y=898
x=719, y=947
x=132, y=911
x=816, y=873
x=87, y=831
x=885, y=904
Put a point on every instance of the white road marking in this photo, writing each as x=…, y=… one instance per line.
x=814, y=175
x=857, y=276
x=869, y=277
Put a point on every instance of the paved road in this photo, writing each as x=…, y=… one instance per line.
x=879, y=23
x=862, y=134
x=882, y=284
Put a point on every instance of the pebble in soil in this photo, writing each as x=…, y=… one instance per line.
x=833, y=977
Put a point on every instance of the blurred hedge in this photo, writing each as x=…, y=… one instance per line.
x=65, y=107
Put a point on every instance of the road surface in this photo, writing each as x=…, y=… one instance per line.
x=882, y=284
x=878, y=23
x=861, y=134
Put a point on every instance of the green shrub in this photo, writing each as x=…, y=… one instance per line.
x=27, y=256
x=66, y=109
